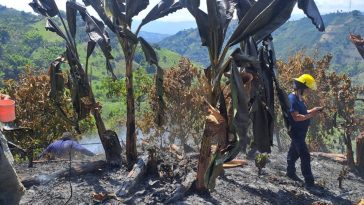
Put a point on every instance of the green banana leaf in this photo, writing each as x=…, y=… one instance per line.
x=213, y=171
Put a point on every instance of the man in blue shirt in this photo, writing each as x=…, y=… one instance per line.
x=300, y=121
x=64, y=147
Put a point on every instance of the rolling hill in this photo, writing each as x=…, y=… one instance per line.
x=153, y=37
x=292, y=37
x=25, y=42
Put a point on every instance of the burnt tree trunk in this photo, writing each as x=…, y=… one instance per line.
x=131, y=153
x=278, y=137
x=30, y=155
x=134, y=177
x=360, y=152
x=349, y=151
x=109, y=140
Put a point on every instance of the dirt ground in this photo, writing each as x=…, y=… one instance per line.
x=236, y=186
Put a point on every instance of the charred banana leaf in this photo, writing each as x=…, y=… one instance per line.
x=358, y=42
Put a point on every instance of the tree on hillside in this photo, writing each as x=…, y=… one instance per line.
x=83, y=100
x=257, y=20
x=118, y=16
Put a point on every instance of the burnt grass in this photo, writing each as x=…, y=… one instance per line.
x=240, y=185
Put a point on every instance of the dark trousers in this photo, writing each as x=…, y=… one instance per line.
x=298, y=149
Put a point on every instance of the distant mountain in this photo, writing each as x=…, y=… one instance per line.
x=164, y=27
x=290, y=38
x=296, y=35
x=153, y=37
x=25, y=42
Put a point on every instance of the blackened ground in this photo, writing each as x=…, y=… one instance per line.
x=236, y=186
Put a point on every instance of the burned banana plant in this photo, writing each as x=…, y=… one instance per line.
x=83, y=99
x=358, y=42
x=118, y=16
x=57, y=88
x=257, y=20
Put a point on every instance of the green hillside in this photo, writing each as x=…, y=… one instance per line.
x=300, y=34
x=292, y=37
x=24, y=41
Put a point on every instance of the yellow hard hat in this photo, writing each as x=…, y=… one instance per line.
x=308, y=80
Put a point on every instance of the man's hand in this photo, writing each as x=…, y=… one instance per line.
x=319, y=109
x=316, y=110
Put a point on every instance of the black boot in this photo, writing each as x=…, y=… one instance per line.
x=294, y=177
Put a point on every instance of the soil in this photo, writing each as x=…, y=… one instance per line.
x=240, y=185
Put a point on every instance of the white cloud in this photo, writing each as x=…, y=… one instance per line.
x=330, y=6
x=22, y=5
x=325, y=6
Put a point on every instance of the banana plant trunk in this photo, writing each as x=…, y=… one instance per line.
x=205, y=150
x=131, y=152
x=203, y=160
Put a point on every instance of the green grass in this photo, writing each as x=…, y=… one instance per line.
x=46, y=35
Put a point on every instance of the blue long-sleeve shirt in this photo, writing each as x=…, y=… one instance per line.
x=62, y=148
x=298, y=128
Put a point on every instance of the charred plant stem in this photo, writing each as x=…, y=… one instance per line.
x=138, y=30
x=71, y=40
